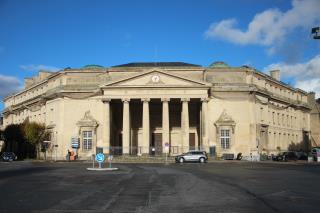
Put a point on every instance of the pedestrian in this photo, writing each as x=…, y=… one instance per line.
x=68, y=155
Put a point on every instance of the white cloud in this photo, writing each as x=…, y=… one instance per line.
x=268, y=27
x=9, y=85
x=306, y=75
x=33, y=67
x=310, y=85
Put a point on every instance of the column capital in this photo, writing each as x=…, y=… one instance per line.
x=185, y=99
x=106, y=100
x=204, y=99
x=165, y=99
x=125, y=100
x=145, y=99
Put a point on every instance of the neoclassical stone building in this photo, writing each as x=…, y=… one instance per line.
x=165, y=107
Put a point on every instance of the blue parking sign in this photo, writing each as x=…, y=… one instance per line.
x=100, y=157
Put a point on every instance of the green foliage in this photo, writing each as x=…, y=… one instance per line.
x=1, y=135
x=14, y=139
x=35, y=133
x=24, y=139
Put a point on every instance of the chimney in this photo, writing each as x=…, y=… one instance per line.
x=275, y=74
x=311, y=97
x=43, y=74
x=28, y=82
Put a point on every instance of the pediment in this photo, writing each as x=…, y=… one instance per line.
x=156, y=78
x=225, y=119
x=87, y=120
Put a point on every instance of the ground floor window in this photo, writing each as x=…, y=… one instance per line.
x=225, y=138
x=87, y=140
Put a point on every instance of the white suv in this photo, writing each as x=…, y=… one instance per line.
x=192, y=156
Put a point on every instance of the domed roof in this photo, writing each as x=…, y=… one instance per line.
x=92, y=66
x=219, y=64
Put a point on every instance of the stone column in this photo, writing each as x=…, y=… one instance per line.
x=185, y=124
x=165, y=124
x=204, y=119
x=126, y=127
x=106, y=125
x=145, y=126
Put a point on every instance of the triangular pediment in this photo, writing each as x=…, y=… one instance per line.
x=225, y=118
x=156, y=78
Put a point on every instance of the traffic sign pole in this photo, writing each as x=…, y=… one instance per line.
x=167, y=150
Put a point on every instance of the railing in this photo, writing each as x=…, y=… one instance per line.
x=152, y=150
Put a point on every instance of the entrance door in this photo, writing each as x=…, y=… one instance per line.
x=192, y=141
x=156, y=144
x=116, y=147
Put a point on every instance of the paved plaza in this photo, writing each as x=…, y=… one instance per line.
x=213, y=187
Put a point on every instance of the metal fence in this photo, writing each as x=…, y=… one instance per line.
x=152, y=150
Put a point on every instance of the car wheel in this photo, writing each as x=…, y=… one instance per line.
x=202, y=160
x=181, y=160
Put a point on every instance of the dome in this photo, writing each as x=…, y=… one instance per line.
x=219, y=64
x=92, y=66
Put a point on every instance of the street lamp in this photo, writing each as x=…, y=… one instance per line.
x=316, y=32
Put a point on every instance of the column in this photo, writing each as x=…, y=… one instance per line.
x=204, y=125
x=145, y=126
x=185, y=124
x=106, y=125
x=126, y=127
x=165, y=124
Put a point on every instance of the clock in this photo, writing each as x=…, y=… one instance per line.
x=155, y=79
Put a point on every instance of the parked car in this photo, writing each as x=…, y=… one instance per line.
x=286, y=156
x=302, y=155
x=192, y=156
x=315, y=152
x=8, y=156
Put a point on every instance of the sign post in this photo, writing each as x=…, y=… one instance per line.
x=110, y=160
x=55, y=150
x=100, y=157
x=167, y=150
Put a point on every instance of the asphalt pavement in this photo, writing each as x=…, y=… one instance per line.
x=192, y=187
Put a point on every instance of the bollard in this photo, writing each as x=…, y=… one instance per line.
x=93, y=156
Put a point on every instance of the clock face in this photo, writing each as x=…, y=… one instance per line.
x=155, y=78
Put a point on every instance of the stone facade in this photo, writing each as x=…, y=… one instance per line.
x=314, y=120
x=155, y=109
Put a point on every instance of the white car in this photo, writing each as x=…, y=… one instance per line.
x=192, y=156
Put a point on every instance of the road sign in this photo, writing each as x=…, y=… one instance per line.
x=100, y=157
x=75, y=143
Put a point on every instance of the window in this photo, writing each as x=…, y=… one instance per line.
x=273, y=117
x=87, y=140
x=225, y=138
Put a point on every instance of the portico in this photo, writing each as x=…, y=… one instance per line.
x=162, y=108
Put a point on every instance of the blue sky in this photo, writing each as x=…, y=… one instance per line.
x=54, y=34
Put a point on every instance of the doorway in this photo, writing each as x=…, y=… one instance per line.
x=192, y=141
x=156, y=144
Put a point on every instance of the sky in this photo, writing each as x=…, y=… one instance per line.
x=55, y=34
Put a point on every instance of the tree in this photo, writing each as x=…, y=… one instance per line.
x=35, y=134
x=1, y=139
x=14, y=139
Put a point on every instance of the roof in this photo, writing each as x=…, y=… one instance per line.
x=219, y=64
x=157, y=64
